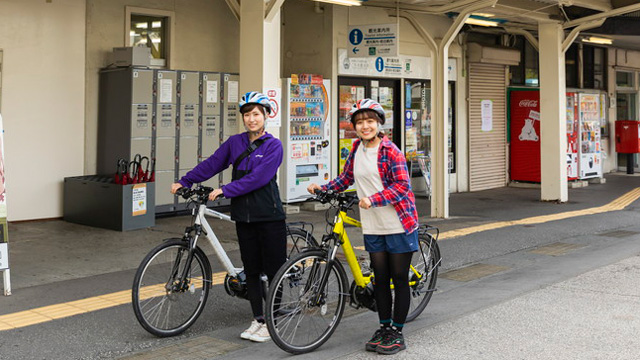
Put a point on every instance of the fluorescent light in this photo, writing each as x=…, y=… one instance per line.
x=598, y=40
x=156, y=24
x=480, y=22
x=487, y=15
x=343, y=2
x=141, y=25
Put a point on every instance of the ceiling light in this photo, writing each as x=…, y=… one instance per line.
x=480, y=22
x=598, y=40
x=343, y=2
x=487, y=15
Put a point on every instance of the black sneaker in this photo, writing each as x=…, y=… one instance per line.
x=392, y=343
x=376, y=339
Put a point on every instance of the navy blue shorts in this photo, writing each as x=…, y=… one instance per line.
x=392, y=243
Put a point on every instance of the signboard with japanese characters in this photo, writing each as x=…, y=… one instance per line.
x=373, y=40
x=407, y=66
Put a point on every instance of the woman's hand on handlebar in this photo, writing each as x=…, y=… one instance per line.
x=312, y=188
x=365, y=203
x=175, y=187
x=215, y=194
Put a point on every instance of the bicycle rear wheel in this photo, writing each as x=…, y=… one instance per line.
x=422, y=281
x=299, y=240
x=162, y=305
x=301, y=313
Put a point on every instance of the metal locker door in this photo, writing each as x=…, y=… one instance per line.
x=165, y=103
x=164, y=198
x=210, y=114
x=188, y=105
x=141, y=103
x=231, y=117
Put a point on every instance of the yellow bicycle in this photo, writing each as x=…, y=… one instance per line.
x=307, y=296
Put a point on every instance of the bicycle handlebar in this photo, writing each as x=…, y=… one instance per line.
x=346, y=200
x=201, y=191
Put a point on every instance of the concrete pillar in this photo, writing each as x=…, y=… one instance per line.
x=259, y=48
x=439, y=134
x=553, y=132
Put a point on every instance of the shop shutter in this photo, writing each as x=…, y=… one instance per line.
x=487, y=149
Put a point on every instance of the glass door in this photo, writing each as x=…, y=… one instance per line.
x=350, y=90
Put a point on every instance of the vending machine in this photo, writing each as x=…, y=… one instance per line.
x=572, y=136
x=589, y=148
x=305, y=134
x=525, y=135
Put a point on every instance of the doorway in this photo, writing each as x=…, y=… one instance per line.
x=352, y=89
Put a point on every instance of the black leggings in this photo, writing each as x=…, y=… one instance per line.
x=263, y=249
x=388, y=266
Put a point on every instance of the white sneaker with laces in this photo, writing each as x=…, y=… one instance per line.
x=261, y=335
x=255, y=325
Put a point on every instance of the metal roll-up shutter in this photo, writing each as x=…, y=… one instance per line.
x=487, y=149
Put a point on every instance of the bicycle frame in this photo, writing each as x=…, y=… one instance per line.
x=200, y=220
x=352, y=260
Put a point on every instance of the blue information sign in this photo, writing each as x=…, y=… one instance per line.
x=355, y=36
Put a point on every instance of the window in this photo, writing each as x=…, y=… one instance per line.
x=150, y=28
x=593, y=68
x=530, y=65
x=624, y=79
x=526, y=73
x=571, y=66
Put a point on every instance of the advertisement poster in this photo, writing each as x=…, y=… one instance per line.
x=139, y=199
x=487, y=115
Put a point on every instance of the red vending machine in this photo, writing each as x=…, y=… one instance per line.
x=572, y=136
x=525, y=135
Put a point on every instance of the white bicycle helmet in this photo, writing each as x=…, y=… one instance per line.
x=366, y=104
x=254, y=97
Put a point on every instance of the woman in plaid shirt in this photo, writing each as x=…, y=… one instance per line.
x=388, y=216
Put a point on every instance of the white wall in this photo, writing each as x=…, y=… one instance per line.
x=206, y=37
x=42, y=102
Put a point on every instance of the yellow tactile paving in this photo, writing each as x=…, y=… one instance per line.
x=5, y=326
x=59, y=311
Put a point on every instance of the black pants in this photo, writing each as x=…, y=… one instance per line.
x=263, y=249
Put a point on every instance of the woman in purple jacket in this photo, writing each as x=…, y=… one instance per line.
x=255, y=201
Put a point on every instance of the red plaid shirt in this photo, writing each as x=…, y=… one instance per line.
x=392, y=166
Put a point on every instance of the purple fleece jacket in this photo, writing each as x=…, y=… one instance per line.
x=263, y=163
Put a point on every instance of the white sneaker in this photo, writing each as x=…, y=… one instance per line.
x=261, y=335
x=255, y=326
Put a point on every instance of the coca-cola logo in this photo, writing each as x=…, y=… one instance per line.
x=528, y=103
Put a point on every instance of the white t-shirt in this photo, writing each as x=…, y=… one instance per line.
x=375, y=220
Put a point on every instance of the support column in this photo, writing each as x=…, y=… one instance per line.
x=439, y=135
x=259, y=47
x=553, y=127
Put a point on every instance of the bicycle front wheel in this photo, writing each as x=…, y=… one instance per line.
x=303, y=310
x=423, y=275
x=163, y=304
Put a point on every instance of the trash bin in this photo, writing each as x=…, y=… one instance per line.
x=95, y=200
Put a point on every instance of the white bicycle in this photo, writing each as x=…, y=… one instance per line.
x=172, y=283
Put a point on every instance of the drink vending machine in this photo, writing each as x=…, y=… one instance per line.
x=525, y=155
x=305, y=135
x=589, y=137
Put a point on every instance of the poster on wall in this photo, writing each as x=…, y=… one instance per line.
x=275, y=100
